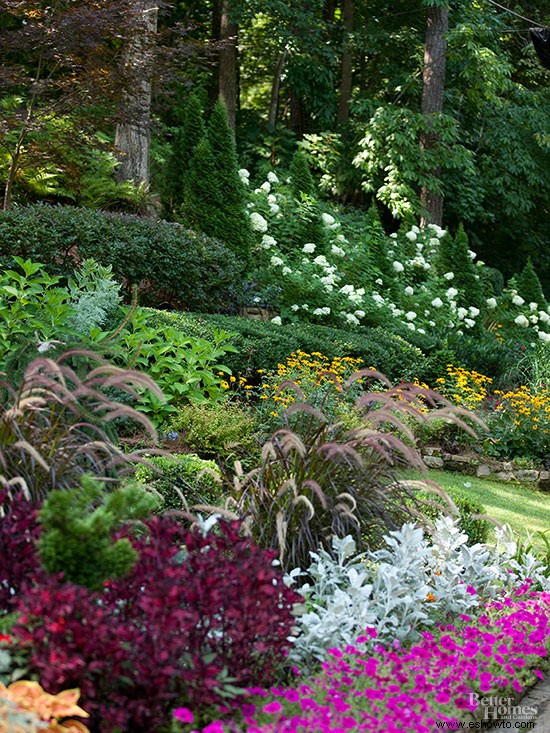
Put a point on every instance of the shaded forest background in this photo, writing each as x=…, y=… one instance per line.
x=94, y=98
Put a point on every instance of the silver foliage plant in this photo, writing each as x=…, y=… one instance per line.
x=415, y=581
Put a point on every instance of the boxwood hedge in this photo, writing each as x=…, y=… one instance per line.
x=169, y=263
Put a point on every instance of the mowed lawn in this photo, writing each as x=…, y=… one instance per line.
x=525, y=509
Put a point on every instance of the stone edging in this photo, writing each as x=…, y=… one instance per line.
x=435, y=457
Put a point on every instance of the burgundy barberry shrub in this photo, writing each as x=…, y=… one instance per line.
x=195, y=610
x=19, y=531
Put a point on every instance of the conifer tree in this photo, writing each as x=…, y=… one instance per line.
x=529, y=287
x=203, y=202
x=301, y=180
x=454, y=256
x=186, y=138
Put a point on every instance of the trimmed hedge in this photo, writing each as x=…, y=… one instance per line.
x=262, y=345
x=169, y=263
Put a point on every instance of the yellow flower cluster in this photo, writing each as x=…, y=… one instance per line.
x=463, y=387
x=309, y=372
x=528, y=410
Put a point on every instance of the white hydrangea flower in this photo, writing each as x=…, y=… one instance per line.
x=277, y=320
x=378, y=299
x=360, y=291
x=287, y=271
x=419, y=246
x=533, y=306
x=472, y=255
x=518, y=300
x=276, y=261
x=351, y=318
x=266, y=187
x=257, y=222
x=338, y=251
x=393, y=235
x=305, y=307
x=379, y=281
x=347, y=289
x=491, y=303
x=244, y=175
x=321, y=260
x=410, y=315
x=544, y=336
x=474, y=312
x=431, y=324
x=409, y=290
x=420, y=330
x=411, y=326
x=534, y=318
x=411, y=236
x=437, y=302
x=521, y=321
x=433, y=242
x=438, y=231
x=544, y=317
x=308, y=248
x=462, y=313
x=274, y=209
x=294, y=307
x=398, y=267
x=272, y=199
x=341, y=238
x=449, y=276
x=325, y=311
x=272, y=178
x=268, y=241
x=469, y=323
x=451, y=293
x=327, y=219
x=360, y=314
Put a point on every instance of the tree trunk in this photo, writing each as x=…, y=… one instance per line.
x=347, y=64
x=133, y=133
x=435, y=56
x=274, y=100
x=228, y=64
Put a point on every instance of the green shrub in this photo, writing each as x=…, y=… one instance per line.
x=263, y=345
x=168, y=262
x=182, y=475
x=219, y=429
x=476, y=527
x=77, y=528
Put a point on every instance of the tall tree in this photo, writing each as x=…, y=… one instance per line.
x=433, y=90
x=133, y=133
x=228, y=62
x=346, y=72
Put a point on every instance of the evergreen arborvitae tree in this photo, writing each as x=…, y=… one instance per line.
x=186, y=138
x=454, y=256
x=203, y=201
x=529, y=287
x=235, y=230
x=301, y=180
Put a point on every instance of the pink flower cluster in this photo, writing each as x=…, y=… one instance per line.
x=409, y=689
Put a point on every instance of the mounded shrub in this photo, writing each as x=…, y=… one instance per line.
x=195, y=478
x=168, y=262
x=262, y=345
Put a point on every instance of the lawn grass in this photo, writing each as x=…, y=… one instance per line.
x=525, y=509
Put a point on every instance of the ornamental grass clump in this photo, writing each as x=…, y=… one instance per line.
x=59, y=423
x=320, y=479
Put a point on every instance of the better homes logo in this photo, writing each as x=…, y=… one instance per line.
x=494, y=707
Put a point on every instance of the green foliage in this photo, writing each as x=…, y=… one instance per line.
x=182, y=480
x=475, y=527
x=262, y=345
x=529, y=287
x=223, y=429
x=32, y=308
x=78, y=526
x=95, y=297
x=186, y=138
x=186, y=368
x=454, y=256
x=301, y=180
x=167, y=261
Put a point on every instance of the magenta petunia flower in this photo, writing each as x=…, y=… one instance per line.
x=184, y=715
